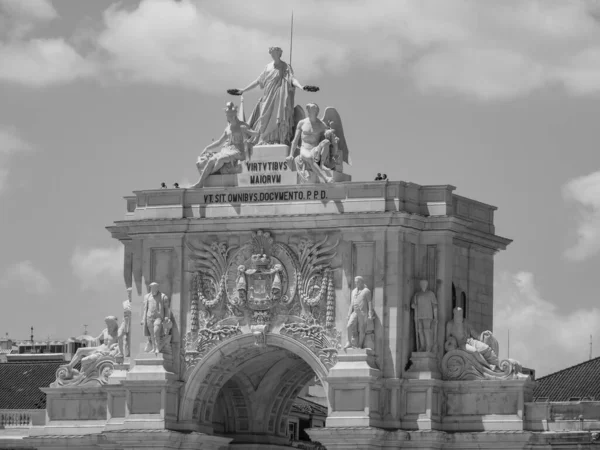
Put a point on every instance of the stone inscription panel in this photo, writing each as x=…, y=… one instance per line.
x=478, y=403
x=267, y=196
x=416, y=402
x=145, y=402
x=349, y=400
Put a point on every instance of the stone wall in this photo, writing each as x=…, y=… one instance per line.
x=473, y=280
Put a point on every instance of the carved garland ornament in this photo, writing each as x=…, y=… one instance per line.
x=259, y=286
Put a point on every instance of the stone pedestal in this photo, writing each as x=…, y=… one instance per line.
x=73, y=411
x=486, y=405
x=421, y=404
x=355, y=387
x=267, y=166
x=425, y=366
x=151, y=392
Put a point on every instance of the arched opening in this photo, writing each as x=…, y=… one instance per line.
x=246, y=392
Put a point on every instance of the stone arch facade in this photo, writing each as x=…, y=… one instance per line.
x=248, y=389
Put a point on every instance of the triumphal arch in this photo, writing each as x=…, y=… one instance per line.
x=276, y=269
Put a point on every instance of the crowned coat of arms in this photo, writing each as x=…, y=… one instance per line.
x=260, y=287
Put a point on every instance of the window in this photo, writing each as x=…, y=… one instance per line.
x=463, y=301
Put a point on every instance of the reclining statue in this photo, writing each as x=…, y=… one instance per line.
x=96, y=362
x=460, y=335
x=470, y=356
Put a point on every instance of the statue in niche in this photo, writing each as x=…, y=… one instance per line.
x=97, y=362
x=322, y=148
x=461, y=336
x=360, y=314
x=273, y=116
x=156, y=319
x=124, y=334
x=426, y=309
x=233, y=142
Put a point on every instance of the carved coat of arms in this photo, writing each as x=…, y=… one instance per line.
x=261, y=286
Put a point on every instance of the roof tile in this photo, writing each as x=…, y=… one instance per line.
x=20, y=383
x=579, y=381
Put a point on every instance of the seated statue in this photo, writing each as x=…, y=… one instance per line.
x=89, y=357
x=321, y=149
x=460, y=335
x=233, y=150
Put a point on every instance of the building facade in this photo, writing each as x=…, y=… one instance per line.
x=248, y=291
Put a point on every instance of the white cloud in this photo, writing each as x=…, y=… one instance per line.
x=178, y=43
x=36, y=62
x=486, y=50
x=39, y=10
x=10, y=143
x=585, y=192
x=95, y=266
x=26, y=274
x=483, y=50
x=541, y=337
x=18, y=17
x=42, y=62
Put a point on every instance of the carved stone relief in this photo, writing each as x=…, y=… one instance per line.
x=261, y=287
x=470, y=356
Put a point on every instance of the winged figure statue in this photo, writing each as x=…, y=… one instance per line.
x=321, y=141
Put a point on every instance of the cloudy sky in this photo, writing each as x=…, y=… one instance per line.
x=498, y=98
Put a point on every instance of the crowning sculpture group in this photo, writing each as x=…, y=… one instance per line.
x=268, y=286
x=275, y=120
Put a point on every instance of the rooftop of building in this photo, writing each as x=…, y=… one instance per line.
x=578, y=382
x=304, y=406
x=20, y=382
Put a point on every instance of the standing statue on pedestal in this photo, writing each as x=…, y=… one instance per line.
x=124, y=334
x=360, y=313
x=425, y=305
x=321, y=149
x=156, y=319
x=233, y=150
x=273, y=116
